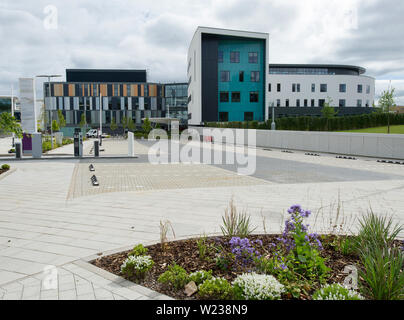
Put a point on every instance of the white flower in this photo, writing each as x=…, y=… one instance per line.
x=137, y=262
x=336, y=292
x=259, y=286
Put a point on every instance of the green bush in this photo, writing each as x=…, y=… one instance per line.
x=216, y=289
x=5, y=167
x=136, y=267
x=336, y=292
x=138, y=250
x=200, y=276
x=252, y=286
x=175, y=276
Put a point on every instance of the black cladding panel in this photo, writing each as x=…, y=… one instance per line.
x=101, y=75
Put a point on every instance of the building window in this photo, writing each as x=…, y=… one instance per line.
x=128, y=90
x=253, y=57
x=248, y=116
x=367, y=103
x=342, y=102
x=367, y=89
x=224, y=76
x=323, y=87
x=313, y=103
x=321, y=103
x=360, y=88
x=255, y=76
x=241, y=76
x=220, y=56
x=116, y=90
x=298, y=103
x=313, y=87
x=235, y=97
x=234, y=57
x=224, y=96
x=342, y=87
x=254, y=96
x=298, y=87
x=287, y=103
x=305, y=102
x=269, y=87
x=223, y=116
x=95, y=90
x=278, y=87
x=359, y=103
x=190, y=98
x=294, y=87
x=278, y=102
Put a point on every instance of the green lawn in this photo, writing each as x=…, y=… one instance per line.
x=393, y=130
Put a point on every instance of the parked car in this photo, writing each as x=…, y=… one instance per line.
x=93, y=133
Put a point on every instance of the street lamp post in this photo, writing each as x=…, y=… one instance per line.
x=12, y=113
x=49, y=77
x=273, y=124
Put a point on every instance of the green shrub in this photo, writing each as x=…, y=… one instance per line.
x=136, y=267
x=252, y=286
x=138, y=250
x=336, y=292
x=5, y=167
x=216, y=289
x=200, y=276
x=202, y=247
x=346, y=245
x=175, y=276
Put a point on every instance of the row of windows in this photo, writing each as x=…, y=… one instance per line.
x=312, y=71
x=321, y=102
x=236, y=96
x=224, y=116
x=235, y=57
x=254, y=76
x=323, y=87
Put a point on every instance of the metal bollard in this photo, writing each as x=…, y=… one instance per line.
x=96, y=149
x=18, y=150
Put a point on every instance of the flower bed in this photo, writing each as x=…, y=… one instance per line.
x=294, y=265
x=4, y=168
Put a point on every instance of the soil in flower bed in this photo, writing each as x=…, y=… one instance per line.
x=185, y=254
x=3, y=171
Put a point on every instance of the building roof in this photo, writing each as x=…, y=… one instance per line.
x=359, y=70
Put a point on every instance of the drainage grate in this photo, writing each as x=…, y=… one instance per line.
x=346, y=158
x=391, y=162
x=312, y=154
x=287, y=151
x=91, y=167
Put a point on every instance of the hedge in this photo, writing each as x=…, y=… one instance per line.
x=307, y=123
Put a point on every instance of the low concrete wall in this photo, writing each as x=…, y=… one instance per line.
x=355, y=144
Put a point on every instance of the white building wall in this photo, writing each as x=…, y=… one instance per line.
x=333, y=82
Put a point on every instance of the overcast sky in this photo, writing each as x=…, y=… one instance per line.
x=155, y=35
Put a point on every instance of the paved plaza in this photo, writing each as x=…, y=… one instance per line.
x=50, y=215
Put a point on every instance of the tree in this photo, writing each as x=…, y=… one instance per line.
x=328, y=112
x=55, y=126
x=83, y=121
x=386, y=101
x=131, y=124
x=146, y=126
x=113, y=126
x=61, y=119
x=8, y=124
x=124, y=123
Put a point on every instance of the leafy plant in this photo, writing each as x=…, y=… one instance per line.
x=164, y=228
x=175, y=276
x=137, y=266
x=200, y=276
x=55, y=126
x=224, y=260
x=146, y=126
x=336, y=292
x=377, y=231
x=382, y=273
x=252, y=286
x=235, y=223
x=61, y=119
x=113, y=126
x=216, y=289
x=139, y=250
x=5, y=167
x=8, y=124
x=346, y=245
x=244, y=250
x=202, y=247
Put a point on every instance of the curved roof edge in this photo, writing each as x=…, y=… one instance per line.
x=358, y=69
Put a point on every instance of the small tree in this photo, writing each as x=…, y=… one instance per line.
x=8, y=124
x=146, y=126
x=131, y=124
x=124, y=123
x=83, y=121
x=113, y=126
x=328, y=112
x=55, y=126
x=386, y=101
x=61, y=119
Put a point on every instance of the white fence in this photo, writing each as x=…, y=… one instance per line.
x=356, y=144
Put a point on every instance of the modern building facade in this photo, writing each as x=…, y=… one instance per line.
x=120, y=93
x=227, y=76
x=304, y=89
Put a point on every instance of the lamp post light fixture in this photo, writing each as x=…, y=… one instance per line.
x=49, y=76
x=273, y=125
